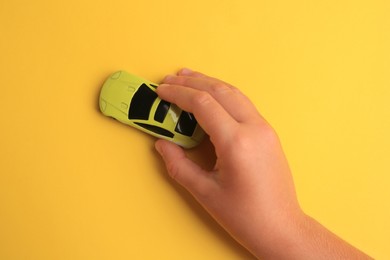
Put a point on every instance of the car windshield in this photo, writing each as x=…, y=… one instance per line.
x=187, y=124
x=161, y=111
x=141, y=103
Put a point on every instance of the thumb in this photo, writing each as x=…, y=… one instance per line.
x=187, y=173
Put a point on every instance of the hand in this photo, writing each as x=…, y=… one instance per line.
x=250, y=191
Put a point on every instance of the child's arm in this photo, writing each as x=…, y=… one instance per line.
x=250, y=192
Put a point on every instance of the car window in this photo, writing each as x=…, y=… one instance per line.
x=186, y=124
x=161, y=111
x=141, y=103
x=156, y=129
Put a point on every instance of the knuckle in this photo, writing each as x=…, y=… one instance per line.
x=202, y=98
x=243, y=143
x=220, y=87
x=269, y=134
x=236, y=90
x=251, y=136
x=173, y=170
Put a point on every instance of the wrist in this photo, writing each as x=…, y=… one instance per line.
x=302, y=237
x=282, y=236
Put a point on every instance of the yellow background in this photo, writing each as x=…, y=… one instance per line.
x=77, y=185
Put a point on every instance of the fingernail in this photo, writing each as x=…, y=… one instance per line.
x=168, y=77
x=158, y=148
x=185, y=71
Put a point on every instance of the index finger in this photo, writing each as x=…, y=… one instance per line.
x=211, y=116
x=233, y=101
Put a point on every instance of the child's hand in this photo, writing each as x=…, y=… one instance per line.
x=250, y=191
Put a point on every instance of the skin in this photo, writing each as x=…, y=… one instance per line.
x=250, y=191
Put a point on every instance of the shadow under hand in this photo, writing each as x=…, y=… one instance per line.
x=203, y=154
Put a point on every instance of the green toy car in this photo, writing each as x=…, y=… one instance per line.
x=133, y=101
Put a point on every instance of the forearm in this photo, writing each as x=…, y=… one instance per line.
x=323, y=244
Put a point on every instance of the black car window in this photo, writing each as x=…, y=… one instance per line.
x=142, y=102
x=156, y=129
x=186, y=124
x=161, y=111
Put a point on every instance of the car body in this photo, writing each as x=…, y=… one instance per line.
x=133, y=101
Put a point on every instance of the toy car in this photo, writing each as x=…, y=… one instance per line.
x=133, y=101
